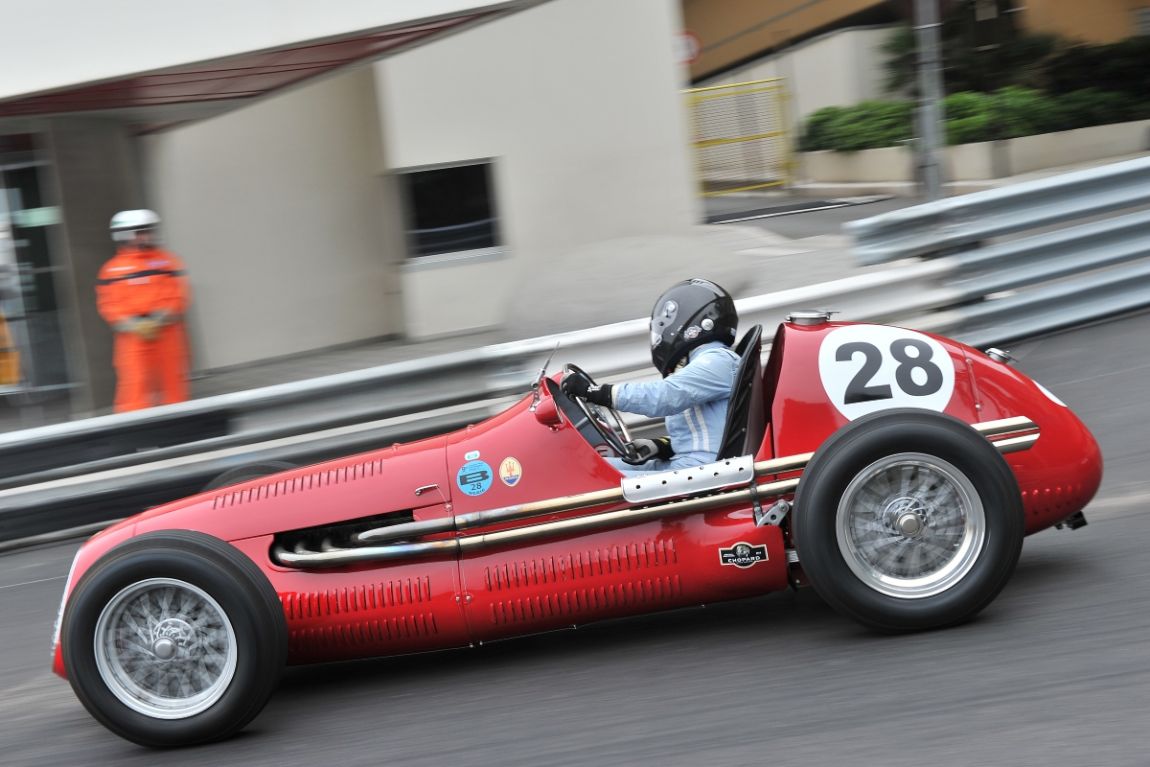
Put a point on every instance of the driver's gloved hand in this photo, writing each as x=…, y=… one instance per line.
x=654, y=448
x=578, y=386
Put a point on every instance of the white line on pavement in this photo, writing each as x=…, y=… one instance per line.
x=783, y=213
x=29, y=583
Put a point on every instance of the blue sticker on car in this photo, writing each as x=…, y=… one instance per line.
x=474, y=477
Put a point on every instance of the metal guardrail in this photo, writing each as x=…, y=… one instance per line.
x=982, y=295
x=1040, y=280
x=963, y=222
x=341, y=414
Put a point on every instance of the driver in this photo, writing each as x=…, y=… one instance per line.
x=692, y=330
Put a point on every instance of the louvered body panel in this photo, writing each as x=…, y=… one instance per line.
x=642, y=568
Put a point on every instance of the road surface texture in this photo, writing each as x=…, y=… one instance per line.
x=1055, y=672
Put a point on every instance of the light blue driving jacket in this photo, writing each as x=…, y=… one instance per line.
x=694, y=402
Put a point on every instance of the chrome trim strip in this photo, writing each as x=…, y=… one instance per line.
x=1006, y=428
x=550, y=506
x=538, y=508
x=490, y=516
x=623, y=516
x=786, y=463
x=1016, y=444
x=338, y=557
x=407, y=530
x=335, y=558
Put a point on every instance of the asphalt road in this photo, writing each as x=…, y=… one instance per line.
x=799, y=217
x=1055, y=672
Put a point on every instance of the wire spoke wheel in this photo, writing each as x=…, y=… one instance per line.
x=173, y=638
x=165, y=648
x=908, y=519
x=910, y=525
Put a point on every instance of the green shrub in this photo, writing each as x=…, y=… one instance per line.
x=819, y=131
x=868, y=125
x=1091, y=106
x=963, y=105
x=970, y=117
x=876, y=124
x=969, y=130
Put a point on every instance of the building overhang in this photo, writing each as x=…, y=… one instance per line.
x=156, y=98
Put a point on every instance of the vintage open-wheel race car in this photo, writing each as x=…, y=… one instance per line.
x=894, y=471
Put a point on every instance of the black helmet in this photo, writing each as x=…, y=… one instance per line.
x=687, y=315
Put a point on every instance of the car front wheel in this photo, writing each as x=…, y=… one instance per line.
x=174, y=638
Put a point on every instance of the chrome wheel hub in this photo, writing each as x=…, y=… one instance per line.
x=907, y=515
x=910, y=525
x=165, y=648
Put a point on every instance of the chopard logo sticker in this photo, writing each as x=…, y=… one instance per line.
x=743, y=555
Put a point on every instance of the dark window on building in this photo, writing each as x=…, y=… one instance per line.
x=450, y=210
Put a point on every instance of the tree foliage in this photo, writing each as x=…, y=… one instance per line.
x=976, y=55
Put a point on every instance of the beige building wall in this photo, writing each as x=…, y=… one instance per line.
x=1100, y=21
x=578, y=105
x=279, y=212
x=836, y=69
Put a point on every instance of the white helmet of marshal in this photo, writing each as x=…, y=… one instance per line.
x=127, y=221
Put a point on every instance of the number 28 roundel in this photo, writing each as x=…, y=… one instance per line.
x=865, y=368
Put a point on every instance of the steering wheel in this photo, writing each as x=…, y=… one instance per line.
x=606, y=421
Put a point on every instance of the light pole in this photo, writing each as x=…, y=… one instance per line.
x=930, y=116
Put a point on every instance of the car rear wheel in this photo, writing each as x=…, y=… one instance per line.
x=174, y=638
x=908, y=520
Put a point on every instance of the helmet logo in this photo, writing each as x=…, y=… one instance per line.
x=692, y=333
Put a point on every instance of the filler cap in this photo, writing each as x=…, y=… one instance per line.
x=808, y=317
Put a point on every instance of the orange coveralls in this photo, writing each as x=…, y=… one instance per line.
x=132, y=284
x=9, y=356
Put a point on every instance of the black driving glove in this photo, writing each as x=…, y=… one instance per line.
x=579, y=386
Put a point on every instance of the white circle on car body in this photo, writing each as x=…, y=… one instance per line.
x=867, y=368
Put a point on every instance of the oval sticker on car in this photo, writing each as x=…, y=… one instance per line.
x=866, y=368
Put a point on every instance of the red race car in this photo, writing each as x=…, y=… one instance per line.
x=894, y=471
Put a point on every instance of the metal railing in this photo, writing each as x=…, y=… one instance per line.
x=337, y=415
x=969, y=220
x=99, y=469
x=1009, y=271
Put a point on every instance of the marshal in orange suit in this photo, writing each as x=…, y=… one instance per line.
x=142, y=293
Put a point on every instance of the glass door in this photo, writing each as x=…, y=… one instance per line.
x=37, y=392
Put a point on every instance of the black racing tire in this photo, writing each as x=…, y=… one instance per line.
x=206, y=607
x=244, y=473
x=930, y=552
